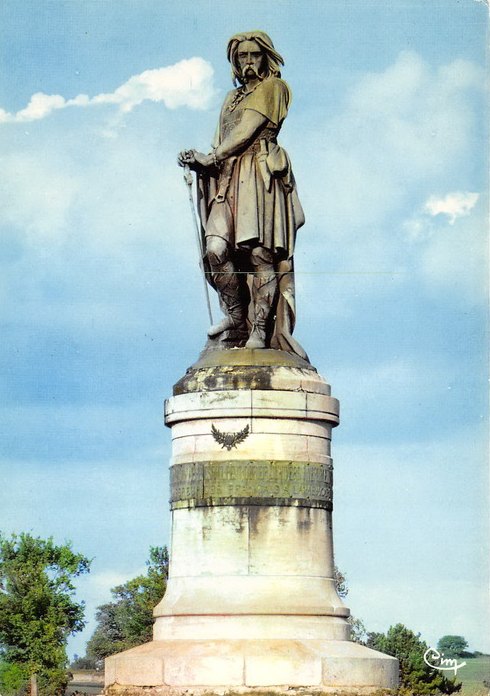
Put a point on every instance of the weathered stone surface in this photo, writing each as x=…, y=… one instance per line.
x=283, y=627
x=252, y=595
x=197, y=484
x=246, y=357
x=251, y=602
x=235, y=560
x=248, y=403
x=243, y=666
x=265, y=438
x=243, y=368
x=283, y=667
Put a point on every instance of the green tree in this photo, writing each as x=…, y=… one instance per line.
x=416, y=677
x=37, y=610
x=452, y=646
x=127, y=621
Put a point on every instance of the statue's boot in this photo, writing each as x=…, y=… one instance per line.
x=228, y=322
x=264, y=287
x=230, y=299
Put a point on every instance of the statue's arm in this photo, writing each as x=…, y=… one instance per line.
x=240, y=137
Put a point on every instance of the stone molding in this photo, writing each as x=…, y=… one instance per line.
x=299, y=405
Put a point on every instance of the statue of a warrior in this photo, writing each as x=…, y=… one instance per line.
x=248, y=205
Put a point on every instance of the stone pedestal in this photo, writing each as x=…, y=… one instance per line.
x=251, y=601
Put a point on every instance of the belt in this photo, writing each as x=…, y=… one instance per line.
x=256, y=147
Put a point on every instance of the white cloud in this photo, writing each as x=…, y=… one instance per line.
x=367, y=174
x=92, y=220
x=455, y=258
x=122, y=189
x=36, y=193
x=186, y=83
x=421, y=226
x=40, y=106
x=401, y=132
x=448, y=235
x=454, y=205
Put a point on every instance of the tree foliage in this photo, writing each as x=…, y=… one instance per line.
x=416, y=677
x=452, y=646
x=82, y=662
x=358, y=631
x=37, y=609
x=127, y=621
x=14, y=677
x=340, y=582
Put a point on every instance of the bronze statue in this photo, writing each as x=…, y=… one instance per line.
x=248, y=204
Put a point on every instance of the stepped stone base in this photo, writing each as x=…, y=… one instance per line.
x=228, y=667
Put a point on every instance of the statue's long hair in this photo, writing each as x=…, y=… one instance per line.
x=273, y=59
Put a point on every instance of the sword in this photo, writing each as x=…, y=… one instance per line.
x=188, y=181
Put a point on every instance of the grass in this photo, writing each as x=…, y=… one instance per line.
x=472, y=675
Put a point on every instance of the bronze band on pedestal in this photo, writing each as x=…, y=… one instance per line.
x=251, y=482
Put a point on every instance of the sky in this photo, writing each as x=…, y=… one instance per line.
x=102, y=307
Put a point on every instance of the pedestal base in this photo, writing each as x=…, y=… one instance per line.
x=251, y=605
x=228, y=667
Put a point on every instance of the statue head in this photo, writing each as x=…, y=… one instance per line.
x=271, y=59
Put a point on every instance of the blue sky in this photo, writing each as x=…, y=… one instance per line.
x=102, y=308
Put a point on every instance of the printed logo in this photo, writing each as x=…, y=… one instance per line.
x=433, y=658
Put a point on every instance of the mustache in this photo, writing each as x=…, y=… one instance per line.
x=253, y=69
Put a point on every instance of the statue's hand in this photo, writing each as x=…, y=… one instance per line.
x=186, y=157
x=194, y=159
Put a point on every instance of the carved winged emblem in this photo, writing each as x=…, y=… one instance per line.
x=229, y=440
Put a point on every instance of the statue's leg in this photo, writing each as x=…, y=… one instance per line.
x=264, y=288
x=227, y=283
